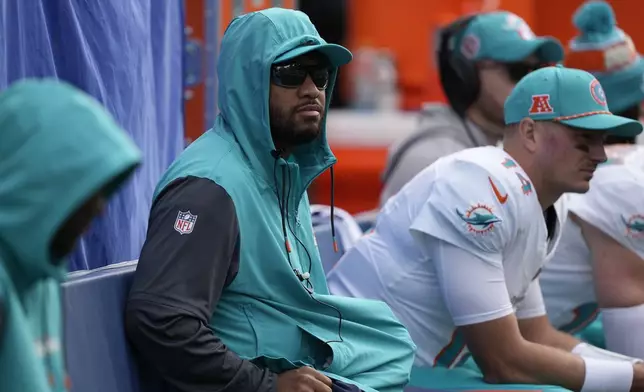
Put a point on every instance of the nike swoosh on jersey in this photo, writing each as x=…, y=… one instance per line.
x=501, y=198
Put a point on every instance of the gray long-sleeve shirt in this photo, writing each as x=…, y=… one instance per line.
x=441, y=132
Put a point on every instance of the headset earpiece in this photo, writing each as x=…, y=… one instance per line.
x=458, y=75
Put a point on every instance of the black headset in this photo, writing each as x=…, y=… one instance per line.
x=460, y=82
x=458, y=75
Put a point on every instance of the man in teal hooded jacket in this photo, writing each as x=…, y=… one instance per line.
x=229, y=293
x=61, y=156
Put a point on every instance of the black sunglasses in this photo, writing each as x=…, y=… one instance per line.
x=293, y=75
x=516, y=71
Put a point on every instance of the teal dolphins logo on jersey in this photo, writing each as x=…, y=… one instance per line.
x=479, y=218
x=634, y=225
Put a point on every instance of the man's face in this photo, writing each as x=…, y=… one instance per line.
x=75, y=225
x=569, y=155
x=297, y=99
x=497, y=82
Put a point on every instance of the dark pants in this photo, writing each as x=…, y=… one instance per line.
x=339, y=386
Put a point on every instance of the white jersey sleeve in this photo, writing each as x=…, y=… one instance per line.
x=532, y=304
x=615, y=205
x=470, y=208
x=474, y=291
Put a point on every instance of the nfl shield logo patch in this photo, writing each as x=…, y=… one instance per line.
x=185, y=222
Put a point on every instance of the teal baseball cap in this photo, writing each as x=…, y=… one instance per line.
x=506, y=38
x=569, y=96
x=338, y=55
x=298, y=27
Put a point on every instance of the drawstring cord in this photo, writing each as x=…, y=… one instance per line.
x=282, y=201
x=283, y=207
x=336, y=249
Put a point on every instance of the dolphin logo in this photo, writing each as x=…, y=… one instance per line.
x=479, y=219
x=635, y=225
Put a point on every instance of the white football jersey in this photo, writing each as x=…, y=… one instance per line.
x=615, y=205
x=477, y=199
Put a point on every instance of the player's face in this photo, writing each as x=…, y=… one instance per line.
x=496, y=85
x=297, y=100
x=571, y=156
x=497, y=82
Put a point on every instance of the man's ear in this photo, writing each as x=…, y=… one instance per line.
x=527, y=132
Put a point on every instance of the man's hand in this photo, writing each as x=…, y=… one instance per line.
x=304, y=379
x=638, y=378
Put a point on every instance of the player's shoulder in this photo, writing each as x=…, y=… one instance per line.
x=635, y=158
x=488, y=165
x=624, y=154
x=623, y=171
x=617, y=188
x=470, y=196
x=479, y=159
x=484, y=183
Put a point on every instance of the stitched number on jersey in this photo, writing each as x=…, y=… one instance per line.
x=508, y=163
x=526, y=186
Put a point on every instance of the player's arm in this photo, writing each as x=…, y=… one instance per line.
x=472, y=281
x=178, y=282
x=618, y=275
x=535, y=325
x=476, y=295
x=609, y=218
x=495, y=340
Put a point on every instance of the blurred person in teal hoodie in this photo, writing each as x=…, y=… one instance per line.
x=61, y=157
x=229, y=293
x=606, y=51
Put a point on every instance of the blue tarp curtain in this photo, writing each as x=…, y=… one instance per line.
x=128, y=55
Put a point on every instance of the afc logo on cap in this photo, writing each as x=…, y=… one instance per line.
x=541, y=104
x=597, y=92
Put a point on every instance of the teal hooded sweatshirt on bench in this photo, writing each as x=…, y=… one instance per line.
x=266, y=314
x=58, y=148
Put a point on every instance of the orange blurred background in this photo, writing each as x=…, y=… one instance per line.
x=406, y=28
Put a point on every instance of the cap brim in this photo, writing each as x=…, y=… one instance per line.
x=337, y=55
x=610, y=123
x=546, y=49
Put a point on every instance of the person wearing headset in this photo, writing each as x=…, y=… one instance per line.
x=599, y=264
x=480, y=59
x=458, y=251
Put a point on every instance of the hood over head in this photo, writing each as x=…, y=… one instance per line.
x=251, y=44
x=58, y=148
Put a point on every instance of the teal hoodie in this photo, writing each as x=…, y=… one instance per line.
x=58, y=148
x=266, y=314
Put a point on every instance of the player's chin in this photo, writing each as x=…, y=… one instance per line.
x=579, y=186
